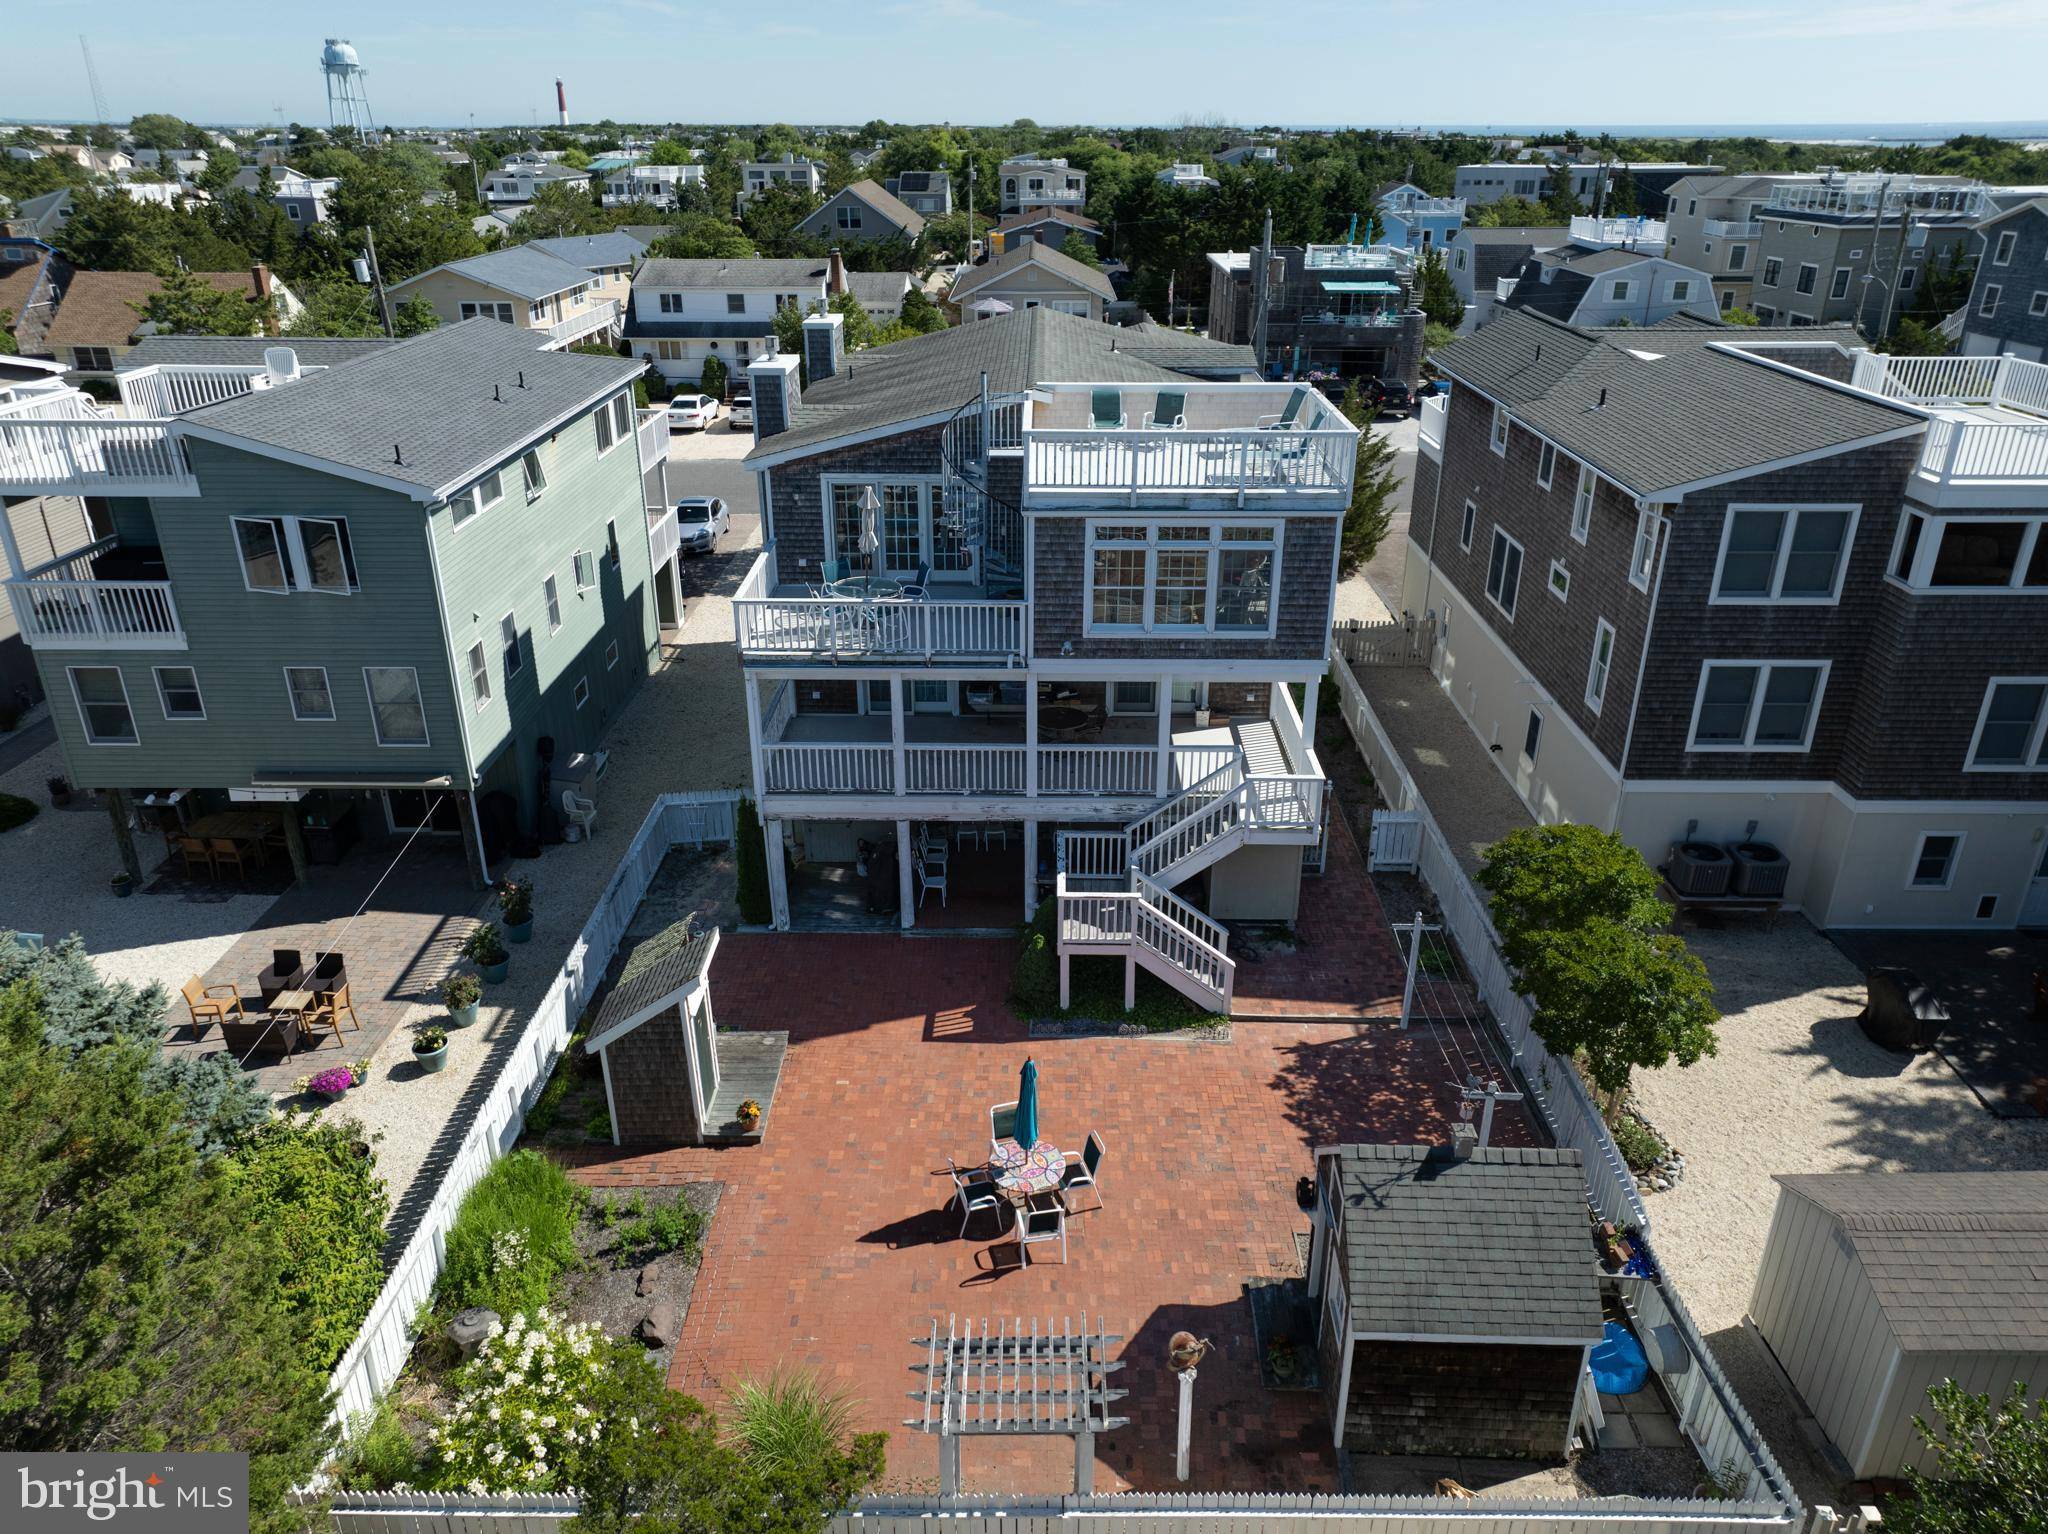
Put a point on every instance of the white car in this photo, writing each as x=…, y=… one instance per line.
x=691, y=412
x=700, y=519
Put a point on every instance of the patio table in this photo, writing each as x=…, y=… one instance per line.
x=867, y=588
x=1022, y=1173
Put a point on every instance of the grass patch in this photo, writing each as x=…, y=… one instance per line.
x=1637, y=1142
x=656, y=1232
x=16, y=811
x=789, y=1423
x=380, y=1455
x=1096, y=990
x=574, y=1067
x=515, y=1232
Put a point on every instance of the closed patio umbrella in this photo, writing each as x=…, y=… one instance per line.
x=870, y=525
x=1027, y=1105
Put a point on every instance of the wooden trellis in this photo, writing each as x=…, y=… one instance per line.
x=1015, y=1379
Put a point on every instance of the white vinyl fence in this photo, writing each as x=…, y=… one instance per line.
x=381, y=1348
x=433, y=1512
x=1714, y=1419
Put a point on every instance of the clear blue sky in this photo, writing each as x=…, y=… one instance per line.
x=1112, y=61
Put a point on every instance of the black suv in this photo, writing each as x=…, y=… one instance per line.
x=1391, y=397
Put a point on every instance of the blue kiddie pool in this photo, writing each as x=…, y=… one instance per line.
x=1617, y=1361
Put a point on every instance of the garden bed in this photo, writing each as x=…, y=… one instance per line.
x=641, y=1251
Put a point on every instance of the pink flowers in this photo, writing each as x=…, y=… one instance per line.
x=332, y=1082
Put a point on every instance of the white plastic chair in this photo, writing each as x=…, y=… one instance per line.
x=993, y=833
x=974, y=1191
x=929, y=881
x=581, y=813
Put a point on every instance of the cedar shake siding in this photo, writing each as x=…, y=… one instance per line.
x=796, y=492
x=650, y=1080
x=1492, y=1400
x=1058, y=573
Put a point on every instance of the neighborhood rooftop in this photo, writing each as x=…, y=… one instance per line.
x=521, y=270
x=615, y=247
x=245, y=351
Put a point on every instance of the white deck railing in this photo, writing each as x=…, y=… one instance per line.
x=597, y=317
x=809, y=767
x=1242, y=461
x=963, y=769
x=1960, y=451
x=663, y=537
x=1732, y=228
x=1431, y=421
x=934, y=767
x=96, y=615
x=173, y=388
x=1121, y=770
x=1632, y=233
x=653, y=437
x=97, y=455
x=842, y=629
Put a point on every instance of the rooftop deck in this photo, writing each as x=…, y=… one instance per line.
x=1987, y=441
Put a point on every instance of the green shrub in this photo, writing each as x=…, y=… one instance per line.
x=316, y=1186
x=380, y=1455
x=789, y=1421
x=515, y=1232
x=1096, y=986
x=599, y=1124
x=1035, y=982
x=677, y=1227
x=16, y=811
x=713, y=379
x=527, y=1407
x=1637, y=1142
x=756, y=907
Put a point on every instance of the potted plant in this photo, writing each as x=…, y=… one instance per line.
x=123, y=884
x=750, y=1115
x=485, y=947
x=460, y=993
x=515, y=906
x=334, y=1082
x=60, y=790
x=430, y=1048
x=1281, y=1361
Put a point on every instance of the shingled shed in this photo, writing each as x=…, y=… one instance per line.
x=1458, y=1295
x=670, y=1077
x=1875, y=1286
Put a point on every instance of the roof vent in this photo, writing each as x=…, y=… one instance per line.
x=1601, y=403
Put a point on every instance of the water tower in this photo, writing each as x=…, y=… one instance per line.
x=348, y=104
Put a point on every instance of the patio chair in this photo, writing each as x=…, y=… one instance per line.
x=580, y=812
x=1168, y=412
x=915, y=590
x=1286, y=417
x=994, y=833
x=929, y=881
x=1002, y=1122
x=1040, y=1227
x=967, y=834
x=286, y=973
x=1081, y=1170
x=198, y=857
x=227, y=851
x=329, y=973
x=211, y=1004
x=1106, y=410
x=328, y=1011
x=974, y=1191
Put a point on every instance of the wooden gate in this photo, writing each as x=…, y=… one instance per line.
x=1396, y=845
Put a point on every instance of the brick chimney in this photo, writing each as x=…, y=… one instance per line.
x=265, y=294
x=776, y=387
x=824, y=346
x=835, y=276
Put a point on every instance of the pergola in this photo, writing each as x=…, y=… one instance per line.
x=1016, y=1380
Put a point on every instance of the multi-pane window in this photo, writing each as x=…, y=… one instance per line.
x=396, y=708
x=536, y=478
x=2012, y=726
x=177, y=687
x=607, y=435
x=671, y=303
x=1560, y=581
x=553, y=597
x=735, y=303
x=479, y=674
x=911, y=526
x=586, y=570
x=1773, y=269
x=1504, y=573
x=103, y=705
x=1839, y=288
x=1582, y=503
x=844, y=537
x=622, y=416
x=1757, y=705
x=1180, y=583
x=1117, y=576
x=1787, y=554
x=284, y=554
x=1244, y=579
x=1217, y=577
x=1988, y=554
x=902, y=525
x=1988, y=305
x=1934, y=861
x=508, y=645
x=330, y=564
x=1738, y=257
x=1809, y=275
x=1498, y=437
x=260, y=541
x=1546, y=465
x=312, y=700
x=490, y=311
x=1643, y=557
x=481, y=496
x=2002, y=256
x=1601, y=663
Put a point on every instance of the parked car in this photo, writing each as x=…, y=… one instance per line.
x=741, y=413
x=691, y=412
x=1392, y=397
x=700, y=519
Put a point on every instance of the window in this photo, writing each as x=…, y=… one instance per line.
x=1727, y=300
x=552, y=597
x=2002, y=256
x=1907, y=277
x=607, y=436
x=1601, y=663
x=1532, y=737
x=586, y=570
x=1809, y=275
x=536, y=478
x=480, y=497
x=611, y=655
x=1133, y=697
x=1934, y=860
x=102, y=697
x=1582, y=503
x=1459, y=261
x=1560, y=581
x=2038, y=304
x=330, y=563
x=285, y=554
x=911, y=523
x=1773, y=269
x=312, y=702
x=1618, y=290
x=1217, y=577
x=1681, y=291
x=1757, y=705
x=479, y=674
x=2012, y=726
x=537, y=311
x=177, y=687
x=1800, y=319
x=1784, y=554
x=671, y=303
x=611, y=543
x=1499, y=440
x=508, y=645
x=1465, y=528
x=1504, y=573
x=1766, y=315
x=1546, y=465
x=490, y=311
x=1643, y=557
x=261, y=543
x=1992, y=554
x=735, y=303
x=849, y=216
x=396, y=708
x=622, y=416
x=1839, y=288
x=581, y=694
x=1738, y=257
x=1988, y=305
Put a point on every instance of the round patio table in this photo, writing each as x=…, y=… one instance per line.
x=1022, y=1173
x=1062, y=721
x=866, y=588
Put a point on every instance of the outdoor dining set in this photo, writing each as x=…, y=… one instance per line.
x=1029, y=1184
x=231, y=841
x=294, y=1001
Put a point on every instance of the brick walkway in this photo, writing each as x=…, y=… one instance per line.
x=832, y=1247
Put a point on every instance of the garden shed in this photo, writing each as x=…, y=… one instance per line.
x=1875, y=1286
x=1458, y=1297
x=670, y=1077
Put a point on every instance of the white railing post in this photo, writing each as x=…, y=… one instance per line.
x=1414, y=962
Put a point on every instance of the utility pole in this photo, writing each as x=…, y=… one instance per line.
x=377, y=282
x=968, y=254
x=1898, y=265
x=1262, y=267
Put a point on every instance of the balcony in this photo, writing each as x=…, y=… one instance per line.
x=1645, y=234
x=776, y=621
x=1732, y=229
x=1987, y=433
x=1271, y=445
x=57, y=450
x=1430, y=422
x=601, y=315
x=169, y=389
x=65, y=605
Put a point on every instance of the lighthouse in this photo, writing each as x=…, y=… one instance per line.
x=561, y=104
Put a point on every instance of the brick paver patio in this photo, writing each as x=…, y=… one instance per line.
x=833, y=1246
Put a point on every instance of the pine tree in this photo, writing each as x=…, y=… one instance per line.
x=1558, y=195
x=1437, y=295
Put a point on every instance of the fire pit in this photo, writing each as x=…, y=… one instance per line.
x=1063, y=721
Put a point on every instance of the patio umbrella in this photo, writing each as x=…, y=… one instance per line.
x=870, y=525
x=1027, y=1105
x=990, y=307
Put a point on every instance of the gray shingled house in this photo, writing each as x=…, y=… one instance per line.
x=1875, y=1286
x=670, y=1077
x=1458, y=1298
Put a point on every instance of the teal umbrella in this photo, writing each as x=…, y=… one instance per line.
x=1027, y=1105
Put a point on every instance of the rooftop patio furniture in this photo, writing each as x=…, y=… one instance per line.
x=1041, y=1226
x=197, y=856
x=1286, y=417
x=974, y=1191
x=929, y=879
x=1106, y=410
x=267, y=1033
x=329, y=973
x=916, y=591
x=1081, y=1170
x=286, y=972
x=329, y=1008
x=1002, y=1123
x=210, y=1004
x=581, y=813
x=992, y=833
x=1026, y=1172
x=1168, y=412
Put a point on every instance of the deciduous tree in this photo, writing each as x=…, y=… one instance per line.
x=1990, y=1468
x=188, y=305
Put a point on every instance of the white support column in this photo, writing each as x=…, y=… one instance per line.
x=1030, y=869
x=753, y=692
x=675, y=586
x=1065, y=960
x=905, y=892
x=1309, y=696
x=12, y=550
x=778, y=875
x=1130, y=981
x=1164, y=690
x=1030, y=741
x=897, y=687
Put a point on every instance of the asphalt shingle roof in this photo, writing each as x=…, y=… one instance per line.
x=661, y=966
x=525, y=271
x=1495, y=1245
x=431, y=397
x=894, y=209
x=1683, y=413
x=1079, y=273
x=613, y=248
x=245, y=351
x=731, y=272
x=1955, y=1259
x=99, y=308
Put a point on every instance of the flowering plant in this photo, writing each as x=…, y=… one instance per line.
x=334, y=1081
x=515, y=900
x=528, y=1408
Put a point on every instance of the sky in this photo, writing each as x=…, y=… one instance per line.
x=1369, y=62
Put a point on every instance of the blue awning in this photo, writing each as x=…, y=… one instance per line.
x=1360, y=287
